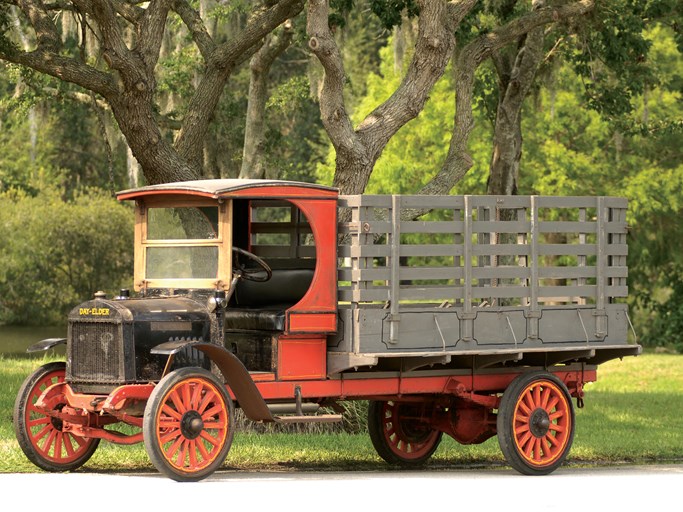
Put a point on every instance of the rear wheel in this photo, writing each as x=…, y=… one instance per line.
x=40, y=436
x=401, y=433
x=535, y=423
x=188, y=424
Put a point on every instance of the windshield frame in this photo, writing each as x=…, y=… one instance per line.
x=222, y=241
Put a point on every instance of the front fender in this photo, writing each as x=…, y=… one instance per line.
x=235, y=374
x=46, y=344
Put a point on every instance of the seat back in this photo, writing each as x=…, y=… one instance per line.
x=283, y=290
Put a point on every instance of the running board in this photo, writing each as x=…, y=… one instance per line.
x=319, y=418
x=299, y=412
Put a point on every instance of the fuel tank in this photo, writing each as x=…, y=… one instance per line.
x=109, y=340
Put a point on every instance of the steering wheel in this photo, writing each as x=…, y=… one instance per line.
x=260, y=274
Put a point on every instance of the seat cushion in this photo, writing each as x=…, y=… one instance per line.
x=241, y=319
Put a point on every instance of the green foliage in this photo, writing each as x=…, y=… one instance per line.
x=666, y=317
x=612, y=56
x=340, y=10
x=390, y=12
x=57, y=253
x=47, y=136
x=176, y=74
x=6, y=45
x=569, y=149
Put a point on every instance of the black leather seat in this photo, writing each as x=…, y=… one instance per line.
x=261, y=306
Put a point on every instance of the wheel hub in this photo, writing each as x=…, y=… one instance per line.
x=407, y=423
x=539, y=422
x=57, y=423
x=191, y=425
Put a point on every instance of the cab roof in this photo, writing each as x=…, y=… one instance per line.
x=217, y=188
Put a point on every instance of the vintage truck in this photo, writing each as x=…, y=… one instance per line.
x=472, y=316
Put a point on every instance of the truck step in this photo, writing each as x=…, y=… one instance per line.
x=319, y=418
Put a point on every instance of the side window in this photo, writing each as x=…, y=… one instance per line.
x=280, y=232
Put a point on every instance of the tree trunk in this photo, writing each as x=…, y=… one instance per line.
x=253, y=164
x=358, y=149
x=516, y=74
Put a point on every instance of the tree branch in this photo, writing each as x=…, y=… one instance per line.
x=333, y=112
x=458, y=161
x=220, y=64
x=114, y=50
x=195, y=24
x=433, y=50
x=151, y=32
x=46, y=32
x=64, y=68
x=254, y=130
x=229, y=54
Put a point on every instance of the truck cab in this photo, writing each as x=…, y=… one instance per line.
x=263, y=251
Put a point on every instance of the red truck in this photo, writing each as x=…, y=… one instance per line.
x=472, y=316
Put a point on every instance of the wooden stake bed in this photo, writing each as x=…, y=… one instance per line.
x=505, y=280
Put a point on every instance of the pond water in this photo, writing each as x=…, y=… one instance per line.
x=15, y=340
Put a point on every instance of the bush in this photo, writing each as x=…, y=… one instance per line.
x=665, y=326
x=56, y=253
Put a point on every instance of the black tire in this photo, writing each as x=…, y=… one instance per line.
x=40, y=436
x=188, y=424
x=397, y=436
x=536, y=423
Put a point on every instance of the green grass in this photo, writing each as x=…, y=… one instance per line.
x=632, y=414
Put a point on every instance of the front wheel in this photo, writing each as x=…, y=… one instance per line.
x=535, y=423
x=41, y=436
x=400, y=432
x=188, y=424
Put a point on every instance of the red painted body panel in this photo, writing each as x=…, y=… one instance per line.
x=375, y=386
x=316, y=312
x=301, y=358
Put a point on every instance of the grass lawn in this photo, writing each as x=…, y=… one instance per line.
x=633, y=414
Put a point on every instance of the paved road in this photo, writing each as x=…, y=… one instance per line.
x=621, y=489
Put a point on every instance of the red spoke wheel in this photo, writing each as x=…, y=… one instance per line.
x=188, y=424
x=40, y=436
x=401, y=433
x=536, y=423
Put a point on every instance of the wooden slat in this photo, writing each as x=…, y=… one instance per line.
x=279, y=227
x=432, y=250
x=506, y=202
x=405, y=273
x=492, y=226
x=553, y=202
x=432, y=227
x=567, y=227
x=437, y=202
x=366, y=200
x=282, y=251
x=501, y=273
x=566, y=272
x=567, y=249
x=500, y=250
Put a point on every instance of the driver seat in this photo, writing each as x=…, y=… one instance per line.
x=261, y=306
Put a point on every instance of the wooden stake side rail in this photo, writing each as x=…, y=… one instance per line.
x=480, y=273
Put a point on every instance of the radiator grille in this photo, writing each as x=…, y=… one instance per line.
x=96, y=352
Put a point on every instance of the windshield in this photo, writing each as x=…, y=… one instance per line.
x=182, y=223
x=182, y=243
